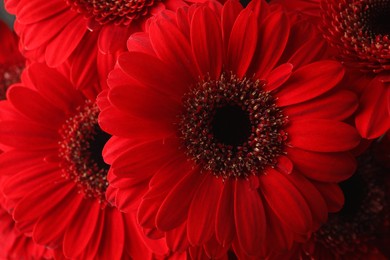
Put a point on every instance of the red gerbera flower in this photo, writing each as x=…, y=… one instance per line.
x=361, y=229
x=55, y=178
x=15, y=245
x=11, y=61
x=224, y=142
x=51, y=30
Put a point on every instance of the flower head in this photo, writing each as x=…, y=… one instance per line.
x=53, y=161
x=224, y=135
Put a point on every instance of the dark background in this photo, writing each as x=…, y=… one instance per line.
x=5, y=16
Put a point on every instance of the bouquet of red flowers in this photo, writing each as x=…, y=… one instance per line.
x=195, y=129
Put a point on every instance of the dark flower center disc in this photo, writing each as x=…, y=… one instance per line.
x=81, y=152
x=376, y=17
x=232, y=127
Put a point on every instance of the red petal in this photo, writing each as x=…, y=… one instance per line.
x=14, y=161
x=140, y=246
x=332, y=195
x=279, y=236
x=284, y=165
x=373, y=118
x=321, y=135
x=27, y=135
x=54, y=87
x=224, y=224
x=34, y=11
x=172, y=47
x=108, y=33
x=249, y=217
x=116, y=146
x=174, y=209
x=145, y=103
x=140, y=42
x=35, y=35
x=144, y=160
x=313, y=197
x=147, y=211
x=32, y=105
x=214, y=250
x=177, y=238
x=301, y=56
x=160, y=185
x=83, y=62
x=273, y=36
x=117, y=123
x=113, y=238
x=310, y=81
x=47, y=197
x=51, y=226
x=60, y=48
x=85, y=220
x=206, y=42
x=230, y=10
x=279, y=76
x=286, y=201
x=21, y=182
x=152, y=72
x=325, y=167
x=242, y=43
x=94, y=244
x=337, y=106
x=202, y=212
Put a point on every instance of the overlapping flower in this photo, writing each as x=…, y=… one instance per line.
x=195, y=130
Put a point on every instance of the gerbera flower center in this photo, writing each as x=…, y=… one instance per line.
x=81, y=151
x=9, y=74
x=232, y=127
x=375, y=17
x=364, y=215
x=116, y=11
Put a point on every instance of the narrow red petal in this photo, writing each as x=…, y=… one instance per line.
x=206, y=42
x=337, y=106
x=173, y=47
x=279, y=76
x=50, y=228
x=325, y=167
x=313, y=197
x=310, y=81
x=60, y=48
x=32, y=105
x=321, y=135
x=249, y=217
x=373, y=118
x=202, y=212
x=332, y=194
x=224, y=224
x=85, y=220
x=242, y=43
x=230, y=10
x=273, y=36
